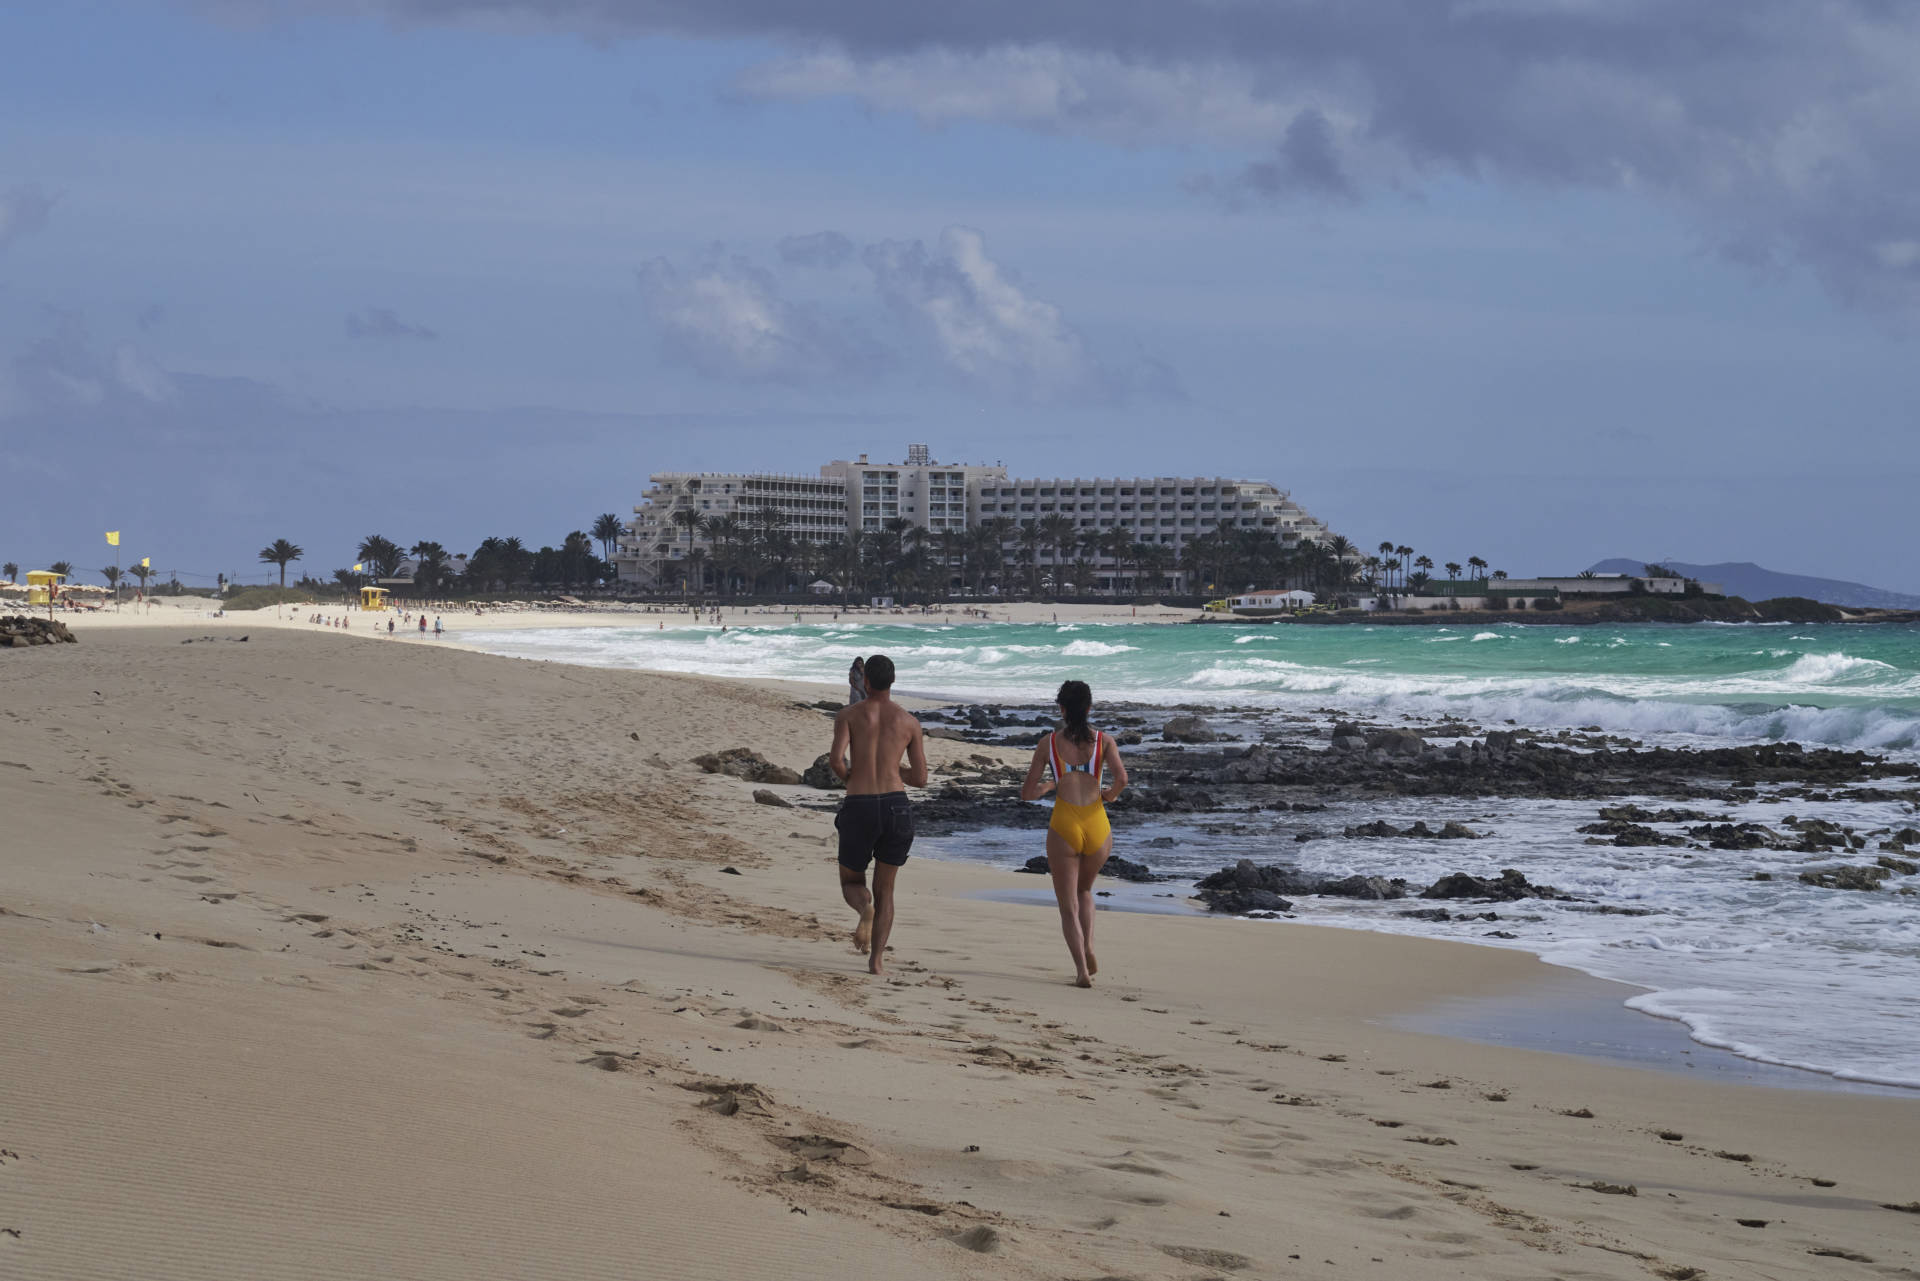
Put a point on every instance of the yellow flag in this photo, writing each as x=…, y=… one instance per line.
x=113, y=538
x=356, y=567
x=146, y=562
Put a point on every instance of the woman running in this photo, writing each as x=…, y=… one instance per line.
x=1079, y=838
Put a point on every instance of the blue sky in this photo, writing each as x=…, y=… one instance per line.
x=1536, y=280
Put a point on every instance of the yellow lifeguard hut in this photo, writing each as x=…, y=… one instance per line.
x=373, y=598
x=42, y=586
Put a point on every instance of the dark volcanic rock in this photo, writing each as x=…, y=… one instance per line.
x=1628, y=834
x=744, y=763
x=1511, y=885
x=1188, y=729
x=820, y=775
x=1846, y=876
x=1396, y=742
x=1243, y=902
x=1278, y=878
x=1120, y=869
x=1449, y=831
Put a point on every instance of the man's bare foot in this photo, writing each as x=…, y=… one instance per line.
x=1093, y=966
x=1085, y=980
x=863, y=932
x=874, y=966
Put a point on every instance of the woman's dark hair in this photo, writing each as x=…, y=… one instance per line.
x=1075, y=700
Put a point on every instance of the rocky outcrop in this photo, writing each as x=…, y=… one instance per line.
x=1188, y=729
x=1449, y=831
x=1120, y=869
x=1510, y=886
x=1627, y=834
x=1237, y=886
x=744, y=763
x=19, y=631
x=1846, y=877
x=820, y=774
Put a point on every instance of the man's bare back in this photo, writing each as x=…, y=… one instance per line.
x=869, y=739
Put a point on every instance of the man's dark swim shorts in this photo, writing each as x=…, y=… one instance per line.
x=874, y=827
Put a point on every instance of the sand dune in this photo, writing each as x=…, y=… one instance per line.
x=328, y=960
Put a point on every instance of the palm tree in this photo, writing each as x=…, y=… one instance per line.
x=1154, y=562
x=141, y=572
x=1405, y=553
x=697, y=569
x=1478, y=564
x=1031, y=540
x=1499, y=573
x=430, y=565
x=64, y=568
x=1386, y=551
x=279, y=553
x=691, y=521
x=1453, y=568
x=11, y=570
x=383, y=554
x=607, y=529
x=1061, y=535
x=112, y=574
x=990, y=551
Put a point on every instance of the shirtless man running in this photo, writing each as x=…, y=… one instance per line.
x=875, y=821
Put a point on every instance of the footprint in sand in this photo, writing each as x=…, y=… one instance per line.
x=1201, y=1257
x=980, y=1239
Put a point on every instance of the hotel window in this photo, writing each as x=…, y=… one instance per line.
x=1126, y=493
x=1026, y=493
x=1107, y=492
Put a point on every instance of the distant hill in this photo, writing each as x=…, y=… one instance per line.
x=1744, y=578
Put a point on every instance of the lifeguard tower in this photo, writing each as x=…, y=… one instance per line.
x=43, y=585
x=373, y=599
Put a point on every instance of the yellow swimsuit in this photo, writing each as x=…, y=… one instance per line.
x=1084, y=828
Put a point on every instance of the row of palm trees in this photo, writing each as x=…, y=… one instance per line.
x=756, y=553
x=112, y=573
x=1398, y=568
x=497, y=564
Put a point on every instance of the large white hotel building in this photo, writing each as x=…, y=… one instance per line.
x=861, y=496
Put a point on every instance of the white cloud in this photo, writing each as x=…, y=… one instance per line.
x=986, y=328
x=728, y=318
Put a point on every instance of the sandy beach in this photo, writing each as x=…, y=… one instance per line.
x=329, y=960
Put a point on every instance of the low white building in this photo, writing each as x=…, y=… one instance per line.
x=1270, y=602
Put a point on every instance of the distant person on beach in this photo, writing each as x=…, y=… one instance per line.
x=1079, y=837
x=875, y=820
x=857, y=682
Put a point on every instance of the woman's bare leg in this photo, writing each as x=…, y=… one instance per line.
x=1090, y=865
x=1063, y=867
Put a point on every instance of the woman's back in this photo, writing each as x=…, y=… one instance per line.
x=1076, y=768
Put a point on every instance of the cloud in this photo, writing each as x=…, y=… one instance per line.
x=23, y=211
x=988, y=330
x=728, y=319
x=384, y=322
x=63, y=370
x=820, y=249
x=1782, y=130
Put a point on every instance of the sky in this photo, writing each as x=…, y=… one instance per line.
x=1542, y=281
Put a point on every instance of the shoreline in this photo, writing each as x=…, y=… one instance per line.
x=1567, y=1010
x=444, y=887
